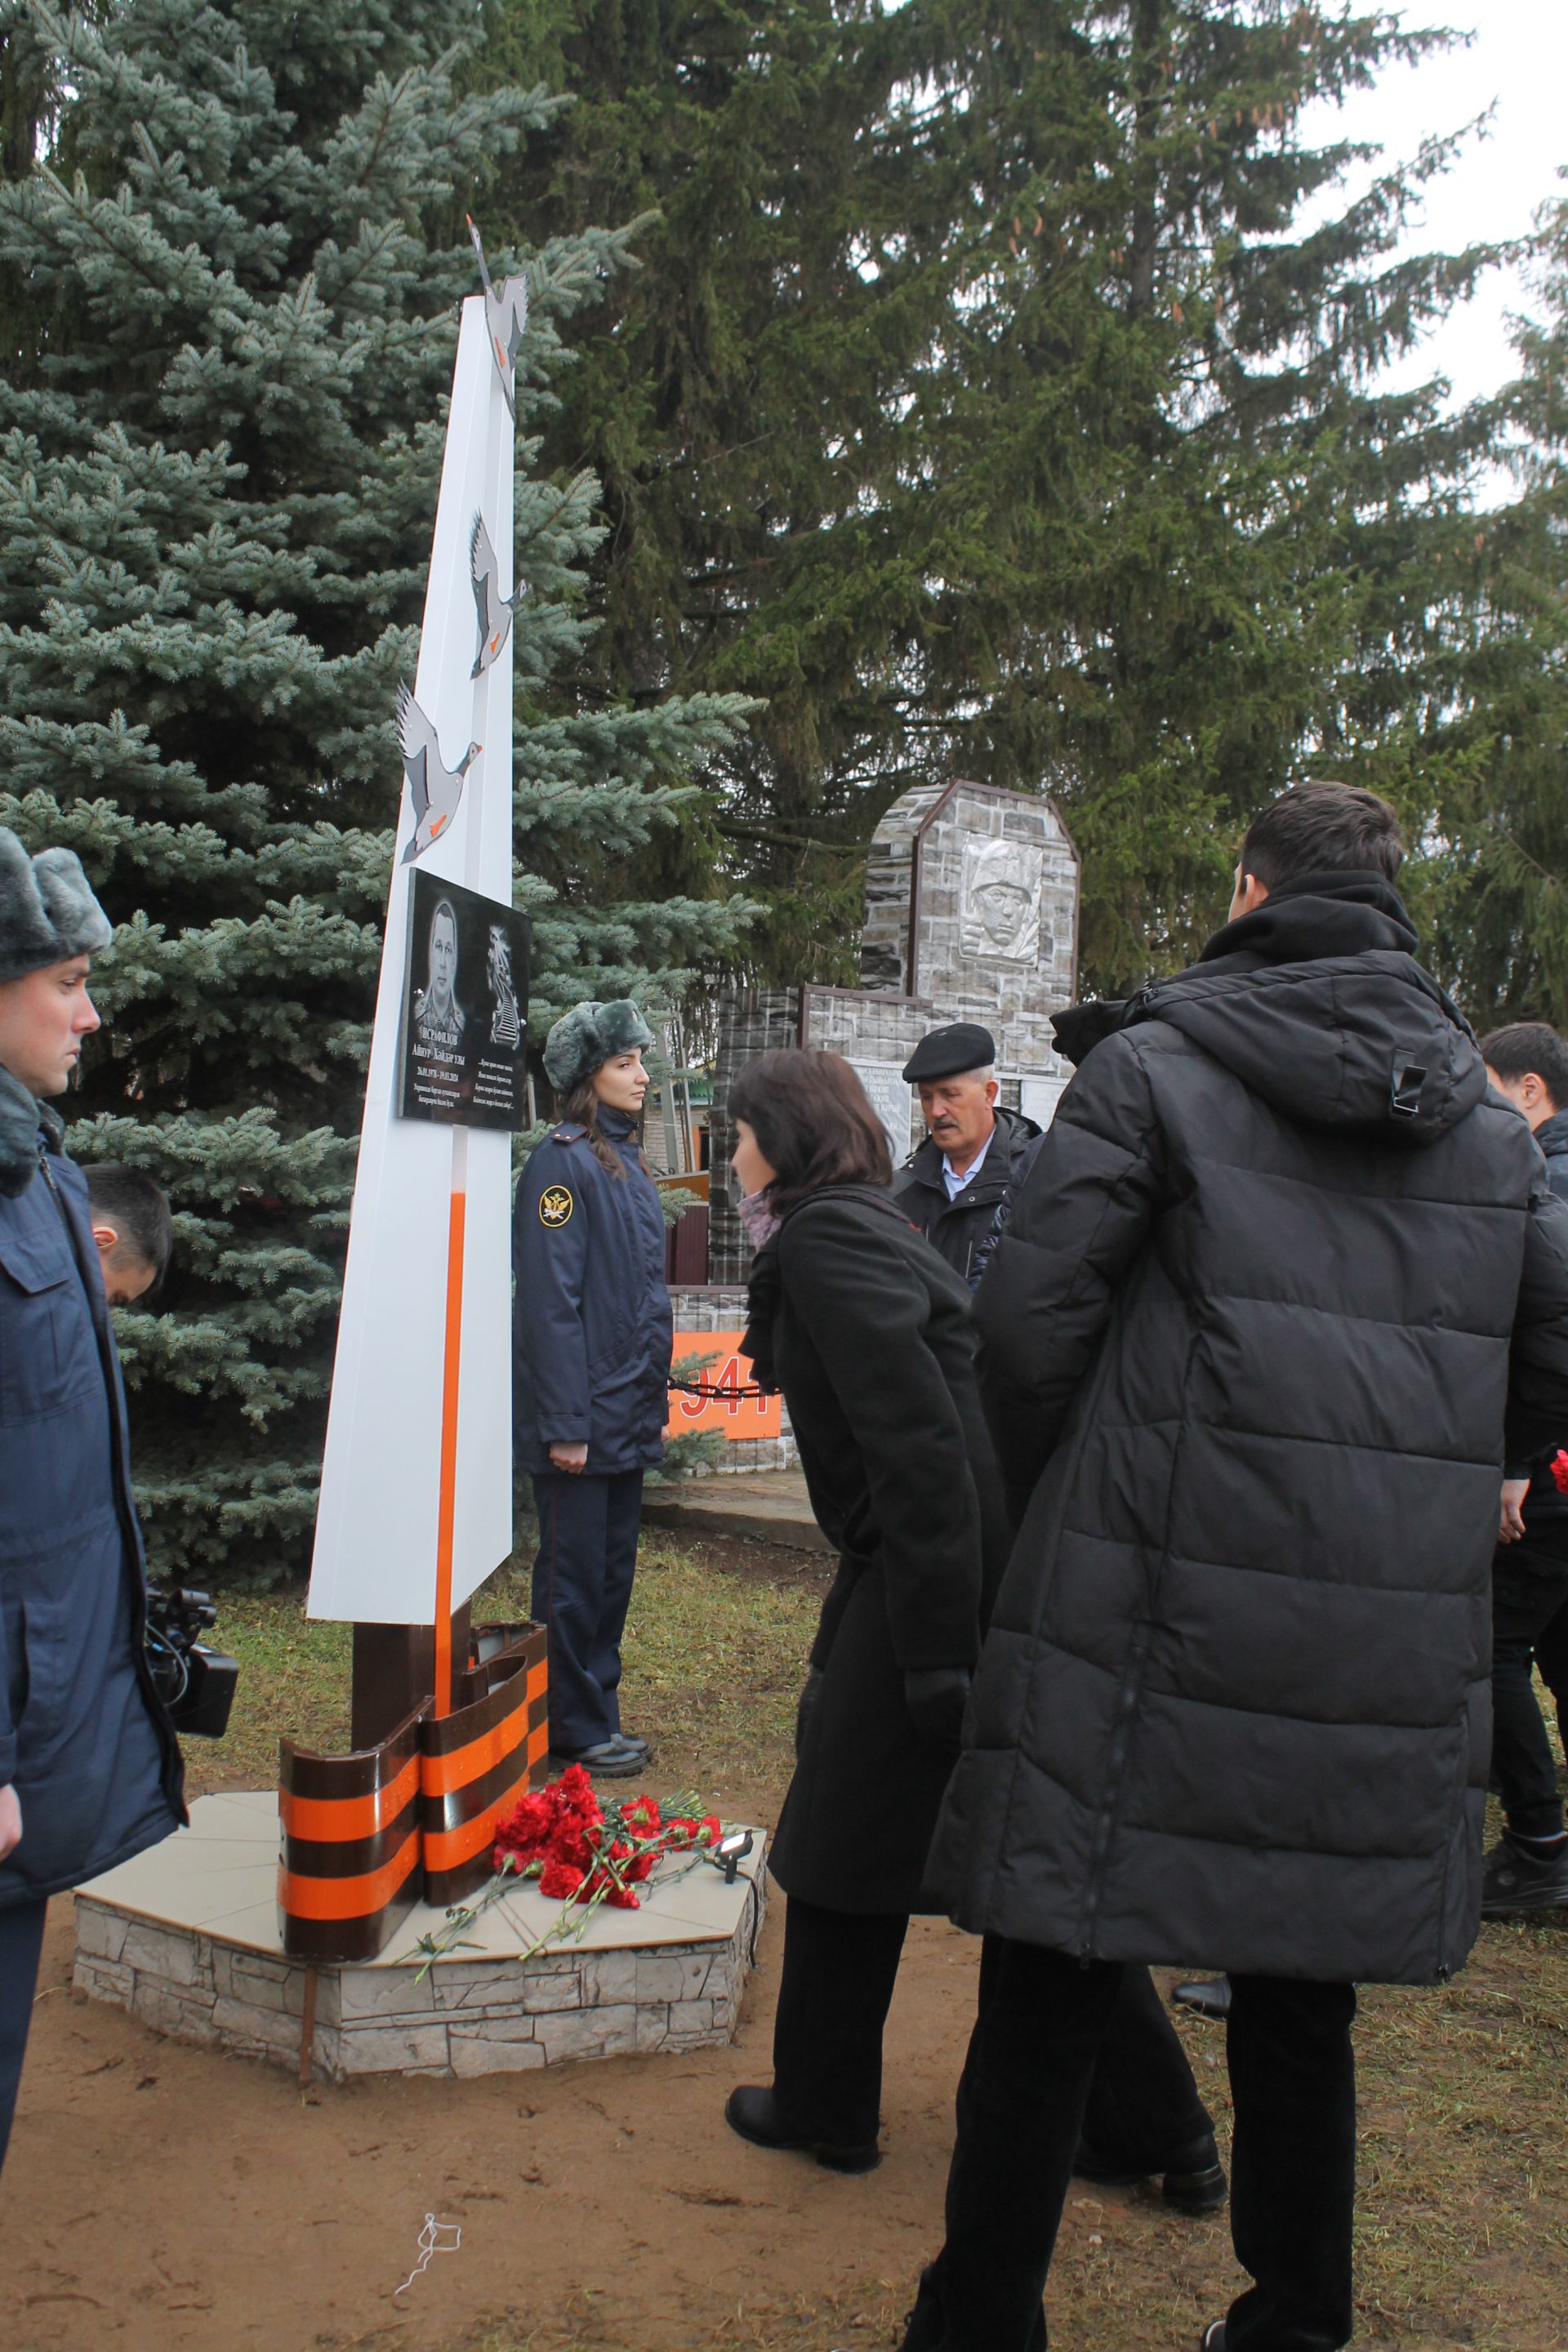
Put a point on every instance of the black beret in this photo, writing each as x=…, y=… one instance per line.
x=961, y=1046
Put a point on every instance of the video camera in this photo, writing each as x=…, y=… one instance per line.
x=196, y=1681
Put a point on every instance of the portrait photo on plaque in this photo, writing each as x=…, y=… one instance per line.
x=464, y=1048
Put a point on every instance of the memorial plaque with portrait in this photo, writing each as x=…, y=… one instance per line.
x=463, y=1047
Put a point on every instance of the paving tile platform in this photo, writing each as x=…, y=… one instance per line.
x=186, y=1938
x=763, y=1506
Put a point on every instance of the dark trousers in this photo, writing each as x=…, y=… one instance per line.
x=1529, y=1596
x=21, y=1942
x=1551, y=1663
x=581, y=1589
x=1142, y=2112
x=1042, y=2023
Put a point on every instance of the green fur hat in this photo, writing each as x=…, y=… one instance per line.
x=48, y=912
x=584, y=1039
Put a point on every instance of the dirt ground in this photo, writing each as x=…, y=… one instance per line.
x=158, y=2196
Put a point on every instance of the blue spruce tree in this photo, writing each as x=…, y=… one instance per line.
x=231, y=251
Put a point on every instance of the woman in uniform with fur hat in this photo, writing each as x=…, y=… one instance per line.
x=591, y=1348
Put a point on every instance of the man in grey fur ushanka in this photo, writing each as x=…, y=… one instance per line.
x=1285, y=1282
x=89, y=1769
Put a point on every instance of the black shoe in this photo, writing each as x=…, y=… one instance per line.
x=1209, y=1996
x=1194, y=2185
x=633, y=1739
x=610, y=1760
x=1213, y=2339
x=753, y=2113
x=1515, y=1880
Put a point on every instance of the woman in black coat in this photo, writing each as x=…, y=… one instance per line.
x=868, y=1335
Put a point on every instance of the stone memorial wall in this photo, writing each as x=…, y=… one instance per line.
x=972, y=898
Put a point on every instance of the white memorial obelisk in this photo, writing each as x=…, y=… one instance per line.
x=417, y=1485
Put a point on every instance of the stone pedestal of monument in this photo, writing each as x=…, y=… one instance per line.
x=186, y=1939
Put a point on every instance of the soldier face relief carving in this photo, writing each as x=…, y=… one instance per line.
x=999, y=912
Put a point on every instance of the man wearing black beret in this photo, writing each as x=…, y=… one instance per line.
x=975, y=1152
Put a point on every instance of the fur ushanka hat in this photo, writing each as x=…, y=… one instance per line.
x=584, y=1039
x=48, y=912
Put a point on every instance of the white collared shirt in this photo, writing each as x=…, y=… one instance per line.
x=954, y=1182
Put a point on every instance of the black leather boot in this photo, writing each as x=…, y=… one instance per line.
x=753, y=2112
x=1209, y=1996
x=1193, y=2182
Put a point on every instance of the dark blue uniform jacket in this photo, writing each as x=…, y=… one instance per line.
x=591, y=1320
x=82, y=1732
x=1546, y=1501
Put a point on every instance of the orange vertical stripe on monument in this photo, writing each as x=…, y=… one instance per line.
x=446, y=1502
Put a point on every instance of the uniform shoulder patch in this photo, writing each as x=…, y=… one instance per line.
x=555, y=1205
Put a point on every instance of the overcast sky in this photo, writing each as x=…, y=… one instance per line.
x=1518, y=64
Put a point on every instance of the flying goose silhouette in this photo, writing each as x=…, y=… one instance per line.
x=506, y=316
x=494, y=610
x=436, y=788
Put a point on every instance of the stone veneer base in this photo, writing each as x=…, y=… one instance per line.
x=668, y=1977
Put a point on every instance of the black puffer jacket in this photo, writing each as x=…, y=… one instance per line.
x=1551, y=1142
x=870, y=1337
x=1280, y=1268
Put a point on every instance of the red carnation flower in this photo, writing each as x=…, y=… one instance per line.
x=560, y=1882
x=603, y=1884
x=526, y=1829
x=710, y=1830
x=1559, y=1469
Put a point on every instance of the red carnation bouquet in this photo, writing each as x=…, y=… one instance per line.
x=581, y=1851
x=1558, y=1466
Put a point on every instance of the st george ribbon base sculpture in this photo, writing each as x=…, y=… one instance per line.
x=416, y=1497
x=366, y=1836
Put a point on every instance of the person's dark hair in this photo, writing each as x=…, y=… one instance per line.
x=1322, y=828
x=1530, y=1046
x=811, y=1118
x=581, y=1108
x=132, y=1204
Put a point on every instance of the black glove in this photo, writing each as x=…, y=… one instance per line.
x=809, y=1699
x=936, y=1698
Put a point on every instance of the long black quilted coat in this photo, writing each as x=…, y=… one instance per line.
x=869, y=1334
x=1278, y=1271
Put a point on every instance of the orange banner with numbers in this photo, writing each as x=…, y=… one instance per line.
x=732, y=1416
